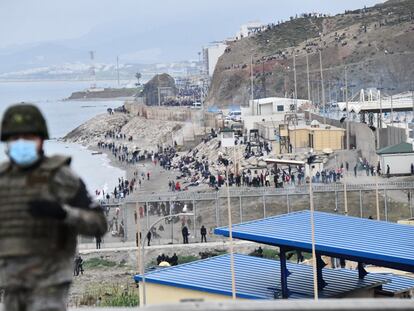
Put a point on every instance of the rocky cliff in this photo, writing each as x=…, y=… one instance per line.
x=375, y=44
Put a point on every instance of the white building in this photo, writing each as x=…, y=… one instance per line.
x=268, y=109
x=249, y=28
x=399, y=158
x=211, y=55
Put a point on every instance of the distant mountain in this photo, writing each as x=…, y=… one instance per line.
x=132, y=42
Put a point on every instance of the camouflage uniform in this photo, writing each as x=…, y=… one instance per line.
x=37, y=251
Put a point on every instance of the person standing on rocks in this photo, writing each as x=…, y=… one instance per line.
x=43, y=207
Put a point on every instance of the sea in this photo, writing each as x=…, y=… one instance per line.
x=62, y=116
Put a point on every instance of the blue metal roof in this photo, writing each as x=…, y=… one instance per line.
x=397, y=284
x=258, y=278
x=362, y=240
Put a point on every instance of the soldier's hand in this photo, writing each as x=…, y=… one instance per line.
x=47, y=209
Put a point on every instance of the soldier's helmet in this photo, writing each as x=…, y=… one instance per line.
x=23, y=119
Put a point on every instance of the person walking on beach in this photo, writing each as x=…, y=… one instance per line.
x=44, y=206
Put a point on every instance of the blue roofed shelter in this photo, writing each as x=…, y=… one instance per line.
x=361, y=240
x=256, y=278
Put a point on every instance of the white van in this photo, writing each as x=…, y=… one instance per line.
x=235, y=115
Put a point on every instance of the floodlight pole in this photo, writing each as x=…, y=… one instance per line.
x=347, y=110
x=314, y=268
x=233, y=278
x=140, y=267
x=322, y=87
x=309, y=90
x=377, y=195
x=251, y=78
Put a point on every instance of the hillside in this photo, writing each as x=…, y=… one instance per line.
x=376, y=44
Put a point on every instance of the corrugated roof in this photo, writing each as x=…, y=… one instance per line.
x=363, y=240
x=398, y=283
x=258, y=278
x=399, y=148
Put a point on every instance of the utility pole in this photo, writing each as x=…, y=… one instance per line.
x=379, y=120
x=117, y=68
x=309, y=90
x=412, y=98
x=251, y=78
x=323, y=88
x=296, y=87
x=347, y=110
x=159, y=94
x=392, y=112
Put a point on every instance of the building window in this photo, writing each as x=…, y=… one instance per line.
x=280, y=108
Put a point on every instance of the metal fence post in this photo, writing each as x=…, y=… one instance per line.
x=217, y=211
x=411, y=204
x=360, y=203
x=147, y=205
x=264, y=206
x=386, y=205
x=336, y=200
x=241, y=209
x=172, y=224
x=287, y=203
x=194, y=219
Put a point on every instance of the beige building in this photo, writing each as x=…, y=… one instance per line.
x=301, y=136
x=316, y=136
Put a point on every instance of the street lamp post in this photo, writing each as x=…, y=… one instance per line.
x=144, y=294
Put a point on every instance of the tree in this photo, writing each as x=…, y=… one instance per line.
x=138, y=75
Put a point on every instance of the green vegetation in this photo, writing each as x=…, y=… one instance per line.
x=270, y=253
x=96, y=263
x=116, y=295
x=187, y=259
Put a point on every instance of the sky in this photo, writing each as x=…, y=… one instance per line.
x=189, y=24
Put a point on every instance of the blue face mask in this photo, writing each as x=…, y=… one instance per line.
x=23, y=152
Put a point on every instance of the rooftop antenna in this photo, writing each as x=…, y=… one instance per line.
x=92, y=69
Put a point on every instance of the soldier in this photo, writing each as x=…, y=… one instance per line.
x=43, y=207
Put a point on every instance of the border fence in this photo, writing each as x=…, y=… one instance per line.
x=209, y=209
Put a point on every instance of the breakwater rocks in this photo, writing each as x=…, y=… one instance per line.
x=137, y=132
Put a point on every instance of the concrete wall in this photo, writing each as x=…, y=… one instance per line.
x=361, y=136
x=181, y=114
x=364, y=139
x=391, y=136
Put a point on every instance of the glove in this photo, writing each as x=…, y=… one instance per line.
x=47, y=209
